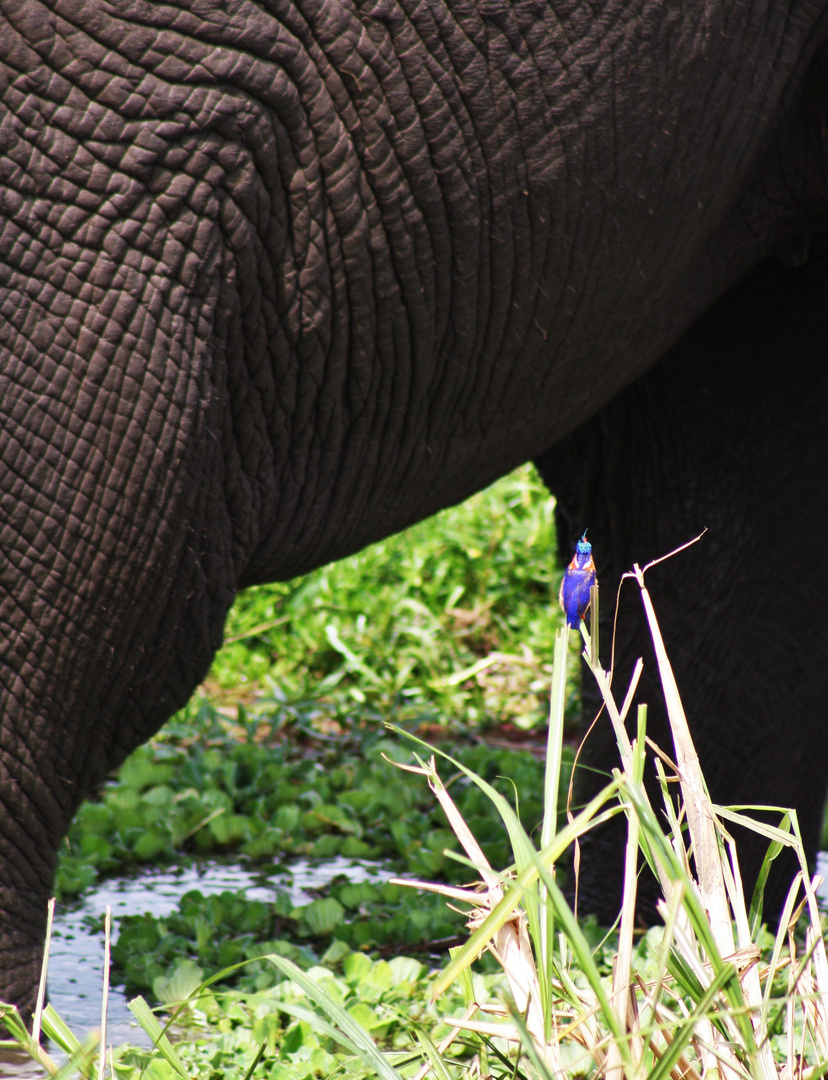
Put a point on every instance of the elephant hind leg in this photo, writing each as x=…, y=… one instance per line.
x=728, y=432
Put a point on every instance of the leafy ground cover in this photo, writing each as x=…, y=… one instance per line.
x=276, y=802
x=217, y=792
x=388, y=999
x=450, y=622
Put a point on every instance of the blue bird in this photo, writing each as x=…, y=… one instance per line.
x=578, y=580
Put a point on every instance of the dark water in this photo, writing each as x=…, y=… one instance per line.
x=76, y=954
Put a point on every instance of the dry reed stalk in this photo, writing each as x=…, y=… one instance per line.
x=697, y=804
x=510, y=944
x=105, y=994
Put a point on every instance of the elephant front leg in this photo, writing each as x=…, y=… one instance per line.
x=86, y=675
x=729, y=433
x=32, y=825
x=116, y=573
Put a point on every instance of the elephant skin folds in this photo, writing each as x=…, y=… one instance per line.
x=278, y=279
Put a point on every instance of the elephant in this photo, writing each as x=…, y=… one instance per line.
x=279, y=278
x=711, y=436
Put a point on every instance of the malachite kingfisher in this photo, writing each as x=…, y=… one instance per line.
x=577, y=581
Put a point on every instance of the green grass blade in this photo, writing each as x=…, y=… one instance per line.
x=594, y=625
x=259, y=1055
x=554, y=747
x=82, y=1063
x=433, y=1054
x=13, y=1022
x=541, y=916
x=318, y=1023
x=512, y=1067
x=681, y=1035
x=362, y=1041
x=148, y=1021
x=542, y=1068
x=55, y=1028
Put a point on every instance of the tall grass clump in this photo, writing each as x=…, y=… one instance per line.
x=701, y=1000
x=706, y=1006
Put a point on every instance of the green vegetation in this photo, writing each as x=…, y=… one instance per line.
x=444, y=635
x=218, y=792
x=391, y=633
x=318, y=802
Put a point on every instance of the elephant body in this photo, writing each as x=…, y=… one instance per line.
x=278, y=279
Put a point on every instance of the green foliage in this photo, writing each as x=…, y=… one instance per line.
x=343, y=798
x=390, y=629
x=278, y=1025
x=331, y=802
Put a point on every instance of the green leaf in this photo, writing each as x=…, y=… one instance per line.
x=321, y=916
x=150, y=844
x=54, y=1027
x=433, y=1055
x=356, y=967
x=364, y=1015
x=158, y=796
x=184, y=981
x=405, y=969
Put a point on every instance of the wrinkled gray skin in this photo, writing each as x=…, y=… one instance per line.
x=278, y=279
